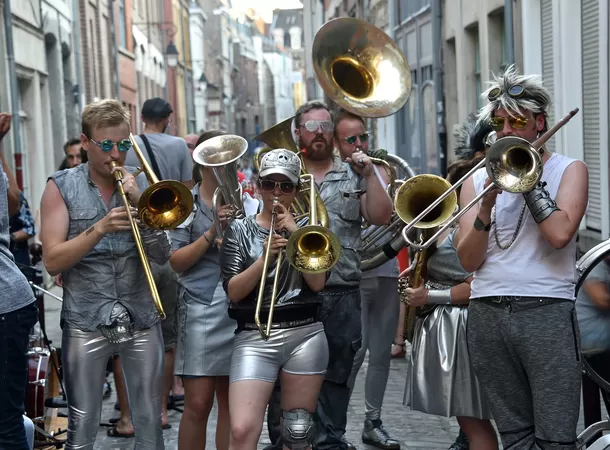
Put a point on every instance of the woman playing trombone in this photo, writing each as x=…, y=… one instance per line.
x=295, y=346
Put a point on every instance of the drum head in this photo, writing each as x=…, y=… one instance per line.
x=593, y=272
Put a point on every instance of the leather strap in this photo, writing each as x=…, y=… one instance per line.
x=151, y=156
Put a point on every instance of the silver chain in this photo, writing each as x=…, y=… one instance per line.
x=519, y=223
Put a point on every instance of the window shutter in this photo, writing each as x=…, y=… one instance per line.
x=546, y=17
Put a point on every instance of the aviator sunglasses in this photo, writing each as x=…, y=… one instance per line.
x=286, y=187
x=314, y=125
x=106, y=145
x=516, y=122
x=352, y=139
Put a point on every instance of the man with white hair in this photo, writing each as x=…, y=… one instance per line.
x=523, y=336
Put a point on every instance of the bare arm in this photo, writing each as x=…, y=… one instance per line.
x=59, y=253
x=13, y=190
x=186, y=257
x=242, y=284
x=460, y=294
x=315, y=281
x=572, y=197
x=598, y=293
x=376, y=204
x=472, y=243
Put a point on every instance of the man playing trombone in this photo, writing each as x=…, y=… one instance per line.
x=522, y=332
x=107, y=308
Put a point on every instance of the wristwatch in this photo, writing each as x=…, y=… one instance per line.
x=480, y=226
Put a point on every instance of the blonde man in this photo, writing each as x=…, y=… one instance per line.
x=107, y=306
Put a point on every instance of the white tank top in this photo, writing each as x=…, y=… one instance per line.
x=531, y=266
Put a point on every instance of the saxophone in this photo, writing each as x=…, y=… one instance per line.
x=418, y=275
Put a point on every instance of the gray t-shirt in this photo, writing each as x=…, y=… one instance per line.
x=172, y=155
x=15, y=292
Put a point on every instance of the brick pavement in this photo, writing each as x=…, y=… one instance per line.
x=414, y=430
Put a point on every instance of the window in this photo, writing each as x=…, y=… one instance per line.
x=477, y=68
x=122, y=25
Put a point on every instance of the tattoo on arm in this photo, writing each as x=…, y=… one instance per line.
x=90, y=230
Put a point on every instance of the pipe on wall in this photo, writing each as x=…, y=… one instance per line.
x=439, y=96
x=509, y=41
x=14, y=89
x=115, y=46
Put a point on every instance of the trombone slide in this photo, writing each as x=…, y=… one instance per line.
x=118, y=176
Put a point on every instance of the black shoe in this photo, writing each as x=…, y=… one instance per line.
x=461, y=442
x=350, y=446
x=374, y=434
x=107, y=390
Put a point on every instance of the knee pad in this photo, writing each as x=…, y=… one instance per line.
x=297, y=429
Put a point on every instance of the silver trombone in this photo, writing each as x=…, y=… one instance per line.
x=513, y=165
x=221, y=154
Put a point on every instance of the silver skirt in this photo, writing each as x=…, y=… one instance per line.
x=205, y=336
x=440, y=379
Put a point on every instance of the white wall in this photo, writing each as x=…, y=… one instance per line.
x=197, y=20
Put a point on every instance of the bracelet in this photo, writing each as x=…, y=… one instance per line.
x=207, y=239
x=439, y=297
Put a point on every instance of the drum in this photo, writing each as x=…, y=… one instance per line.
x=36, y=390
x=593, y=325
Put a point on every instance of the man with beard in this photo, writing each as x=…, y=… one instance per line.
x=350, y=191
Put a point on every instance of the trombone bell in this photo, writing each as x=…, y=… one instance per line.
x=419, y=192
x=514, y=165
x=165, y=205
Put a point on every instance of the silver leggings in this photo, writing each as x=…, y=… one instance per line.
x=380, y=310
x=85, y=355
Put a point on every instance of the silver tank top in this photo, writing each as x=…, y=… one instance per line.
x=444, y=268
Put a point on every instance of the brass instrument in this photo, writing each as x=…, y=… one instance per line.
x=164, y=204
x=361, y=68
x=280, y=136
x=221, y=154
x=266, y=332
x=313, y=248
x=417, y=195
x=118, y=176
x=310, y=249
x=513, y=165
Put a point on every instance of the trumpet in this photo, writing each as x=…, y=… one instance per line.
x=512, y=163
x=310, y=249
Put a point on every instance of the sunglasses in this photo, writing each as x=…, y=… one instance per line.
x=314, y=125
x=515, y=91
x=515, y=122
x=352, y=139
x=286, y=187
x=107, y=145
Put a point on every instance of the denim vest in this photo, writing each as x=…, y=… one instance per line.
x=112, y=271
x=340, y=191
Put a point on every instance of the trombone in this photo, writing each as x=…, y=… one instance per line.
x=163, y=205
x=310, y=249
x=512, y=163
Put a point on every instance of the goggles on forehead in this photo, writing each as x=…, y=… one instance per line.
x=107, y=145
x=515, y=91
x=515, y=122
x=352, y=139
x=286, y=187
x=315, y=125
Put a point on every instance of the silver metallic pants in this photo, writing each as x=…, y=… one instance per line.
x=85, y=355
x=380, y=310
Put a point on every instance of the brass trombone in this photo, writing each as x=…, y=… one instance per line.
x=163, y=205
x=310, y=249
x=512, y=163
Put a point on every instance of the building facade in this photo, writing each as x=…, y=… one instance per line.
x=125, y=58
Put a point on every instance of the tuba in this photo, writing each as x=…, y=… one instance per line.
x=221, y=154
x=355, y=62
x=163, y=205
x=280, y=136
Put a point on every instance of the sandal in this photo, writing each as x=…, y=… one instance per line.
x=401, y=353
x=113, y=432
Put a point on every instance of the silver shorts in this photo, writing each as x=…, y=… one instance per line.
x=299, y=351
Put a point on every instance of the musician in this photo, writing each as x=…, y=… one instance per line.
x=521, y=248
x=203, y=353
x=344, y=187
x=18, y=314
x=107, y=306
x=380, y=304
x=439, y=361
x=297, y=348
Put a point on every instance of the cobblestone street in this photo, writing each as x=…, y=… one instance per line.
x=414, y=430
